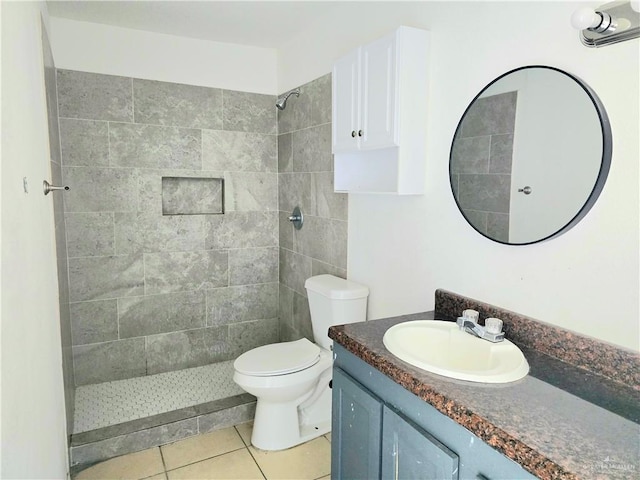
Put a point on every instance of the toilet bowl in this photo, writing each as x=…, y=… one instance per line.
x=291, y=379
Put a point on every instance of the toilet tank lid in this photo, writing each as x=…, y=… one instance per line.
x=336, y=288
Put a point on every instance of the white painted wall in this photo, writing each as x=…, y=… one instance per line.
x=33, y=413
x=404, y=248
x=97, y=48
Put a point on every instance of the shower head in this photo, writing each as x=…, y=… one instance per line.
x=282, y=101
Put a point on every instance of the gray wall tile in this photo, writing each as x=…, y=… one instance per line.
x=177, y=104
x=133, y=442
x=242, y=303
x=85, y=143
x=294, y=270
x=490, y=193
x=285, y=153
x=323, y=239
x=192, y=196
x=104, y=362
x=471, y=155
x=501, y=153
x=302, y=317
x=328, y=203
x=249, y=112
x=319, y=91
x=186, y=349
x=151, y=263
x=239, y=151
x=247, y=191
x=94, y=96
x=285, y=311
x=241, y=230
x=149, y=315
x=312, y=149
x=296, y=190
x=90, y=234
x=490, y=116
x=477, y=219
x=152, y=146
x=286, y=229
x=247, y=335
x=227, y=417
x=322, y=268
x=297, y=114
x=185, y=271
x=147, y=233
x=95, y=189
x=94, y=322
x=253, y=265
x=498, y=226
x=97, y=278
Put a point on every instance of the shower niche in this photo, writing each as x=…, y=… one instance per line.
x=192, y=196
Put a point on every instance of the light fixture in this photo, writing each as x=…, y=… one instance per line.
x=611, y=23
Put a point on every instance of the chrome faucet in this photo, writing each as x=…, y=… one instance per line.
x=479, y=331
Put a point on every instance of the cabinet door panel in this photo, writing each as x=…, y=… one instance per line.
x=345, y=98
x=410, y=453
x=379, y=94
x=356, y=430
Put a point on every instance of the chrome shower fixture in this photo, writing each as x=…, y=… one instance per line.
x=611, y=23
x=282, y=101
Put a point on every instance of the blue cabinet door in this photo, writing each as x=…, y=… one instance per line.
x=356, y=431
x=411, y=453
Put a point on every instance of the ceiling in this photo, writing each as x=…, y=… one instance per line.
x=258, y=23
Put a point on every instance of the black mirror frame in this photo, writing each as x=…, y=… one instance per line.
x=605, y=163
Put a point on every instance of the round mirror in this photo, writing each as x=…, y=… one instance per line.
x=530, y=155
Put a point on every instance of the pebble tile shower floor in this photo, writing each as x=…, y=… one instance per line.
x=110, y=403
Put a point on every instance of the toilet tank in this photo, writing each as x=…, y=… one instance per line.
x=334, y=301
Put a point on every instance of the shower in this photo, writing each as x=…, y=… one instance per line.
x=282, y=101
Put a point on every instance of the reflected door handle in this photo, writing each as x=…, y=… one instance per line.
x=526, y=190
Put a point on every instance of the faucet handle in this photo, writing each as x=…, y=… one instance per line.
x=493, y=325
x=472, y=315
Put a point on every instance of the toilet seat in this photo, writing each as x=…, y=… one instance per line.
x=278, y=358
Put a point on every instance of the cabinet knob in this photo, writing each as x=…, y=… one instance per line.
x=353, y=133
x=359, y=133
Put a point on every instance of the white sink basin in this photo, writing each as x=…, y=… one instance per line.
x=442, y=348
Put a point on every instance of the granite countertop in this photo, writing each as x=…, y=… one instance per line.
x=559, y=422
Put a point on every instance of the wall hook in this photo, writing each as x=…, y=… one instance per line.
x=47, y=187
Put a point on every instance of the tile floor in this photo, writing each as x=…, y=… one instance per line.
x=220, y=455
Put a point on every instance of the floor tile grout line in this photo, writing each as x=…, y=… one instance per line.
x=164, y=464
x=203, y=460
x=264, y=476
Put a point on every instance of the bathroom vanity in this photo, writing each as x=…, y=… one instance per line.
x=381, y=430
x=576, y=415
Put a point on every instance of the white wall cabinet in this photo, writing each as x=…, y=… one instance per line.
x=379, y=100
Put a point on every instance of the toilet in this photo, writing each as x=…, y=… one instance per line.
x=291, y=379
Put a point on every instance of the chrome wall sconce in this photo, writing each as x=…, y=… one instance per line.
x=611, y=23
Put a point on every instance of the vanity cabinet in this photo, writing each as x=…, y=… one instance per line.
x=379, y=115
x=382, y=431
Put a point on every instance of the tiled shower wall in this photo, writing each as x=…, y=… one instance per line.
x=305, y=166
x=149, y=292
x=58, y=198
x=481, y=163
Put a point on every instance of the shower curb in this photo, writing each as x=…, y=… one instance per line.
x=89, y=448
